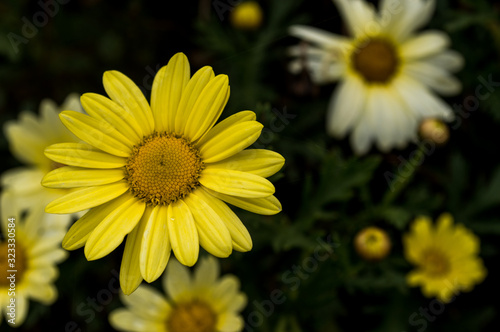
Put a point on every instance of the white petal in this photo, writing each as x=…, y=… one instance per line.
x=434, y=77
x=177, y=281
x=422, y=102
x=425, y=44
x=447, y=60
x=317, y=36
x=403, y=19
x=359, y=16
x=346, y=106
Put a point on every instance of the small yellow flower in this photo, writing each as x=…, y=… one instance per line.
x=372, y=243
x=35, y=256
x=445, y=256
x=28, y=137
x=198, y=303
x=246, y=16
x=161, y=174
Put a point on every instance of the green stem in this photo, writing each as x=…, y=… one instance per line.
x=403, y=177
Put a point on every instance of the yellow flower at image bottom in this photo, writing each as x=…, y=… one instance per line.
x=199, y=303
x=34, y=254
x=161, y=174
x=445, y=256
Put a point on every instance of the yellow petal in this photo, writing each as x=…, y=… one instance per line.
x=97, y=133
x=110, y=232
x=238, y=231
x=265, y=206
x=124, y=92
x=155, y=246
x=85, y=198
x=168, y=86
x=77, y=235
x=230, y=141
x=183, y=233
x=242, y=116
x=177, y=282
x=208, y=107
x=255, y=161
x=213, y=233
x=189, y=96
x=130, y=271
x=83, y=155
x=71, y=177
x=104, y=109
x=236, y=183
x=206, y=273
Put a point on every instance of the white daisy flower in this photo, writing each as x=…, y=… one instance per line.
x=198, y=302
x=33, y=254
x=28, y=137
x=388, y=74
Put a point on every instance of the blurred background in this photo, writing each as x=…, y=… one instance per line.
x=328, y=194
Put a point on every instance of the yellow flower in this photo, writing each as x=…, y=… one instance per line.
x=246, y=16
x=388, y=73
x=34, y=254
x=372, y=243
x=445, y=256
x=198, y=303
x=28, y=137
x=161, y=174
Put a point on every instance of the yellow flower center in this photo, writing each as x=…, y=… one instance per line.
x=163, y=168
x=376, y=60
x=16, y=258
x=195, y=316
x=435, y=263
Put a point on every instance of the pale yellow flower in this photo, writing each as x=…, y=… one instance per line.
x=34, y=254
x=28, y=137
x=199, y=303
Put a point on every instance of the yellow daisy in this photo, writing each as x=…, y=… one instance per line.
x=199, y=303
x=34, y=254
x=161, y=174
x=28, y=137
x=445, y=256
x=388, y=73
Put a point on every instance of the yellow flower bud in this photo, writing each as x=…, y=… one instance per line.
x=372, y=243
x=435, y=131
x=246, y=16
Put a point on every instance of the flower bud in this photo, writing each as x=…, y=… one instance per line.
x=246, y=16
x=434, y=130
x=372, y=243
